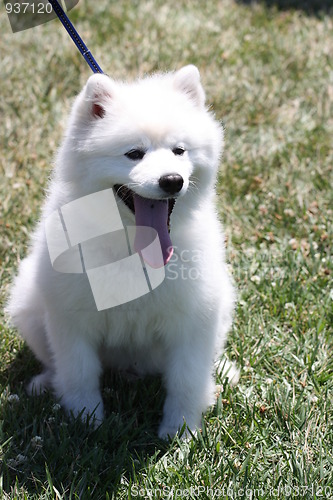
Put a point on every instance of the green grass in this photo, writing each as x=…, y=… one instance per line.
x=268, y=75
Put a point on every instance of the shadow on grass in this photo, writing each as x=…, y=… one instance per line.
x=42, y=448
x=310, y=7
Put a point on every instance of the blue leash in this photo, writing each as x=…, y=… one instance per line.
x=75, y=36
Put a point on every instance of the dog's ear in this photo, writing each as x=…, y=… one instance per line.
x=187, y=80
x=99, y=91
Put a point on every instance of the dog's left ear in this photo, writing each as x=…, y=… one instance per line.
x=187, y=80
x=99, y=91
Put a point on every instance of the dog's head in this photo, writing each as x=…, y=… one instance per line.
x=152, y=140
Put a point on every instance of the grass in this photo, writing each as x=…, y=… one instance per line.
x=268, y=76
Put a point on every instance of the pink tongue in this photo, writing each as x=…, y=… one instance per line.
x=153, y=213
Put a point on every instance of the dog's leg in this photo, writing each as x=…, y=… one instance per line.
x=27, y=313
x=77, y=371
x=76, y=381
x=189, y=382
x=32, y=328
x=26, y=310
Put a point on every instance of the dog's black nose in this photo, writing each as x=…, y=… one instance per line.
x=171, y=183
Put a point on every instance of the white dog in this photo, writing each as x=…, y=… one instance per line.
x=154, y=143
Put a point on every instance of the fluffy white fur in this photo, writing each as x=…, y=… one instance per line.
x=177, y=330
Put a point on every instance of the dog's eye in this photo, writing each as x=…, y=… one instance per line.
x=135, y=154
x=178, y=151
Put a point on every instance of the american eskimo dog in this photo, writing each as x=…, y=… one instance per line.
x=157, y=147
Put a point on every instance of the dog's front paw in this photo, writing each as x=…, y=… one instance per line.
x=228, y=370
x=174, y=422
x=39, y=384
x=89, y=410
x=94, y=417
x=168, y=431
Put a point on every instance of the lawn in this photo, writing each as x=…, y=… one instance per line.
x=268, y=73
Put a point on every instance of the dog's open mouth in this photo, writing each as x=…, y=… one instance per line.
x=152, y=213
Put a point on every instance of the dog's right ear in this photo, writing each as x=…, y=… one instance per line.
x=99, y=91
